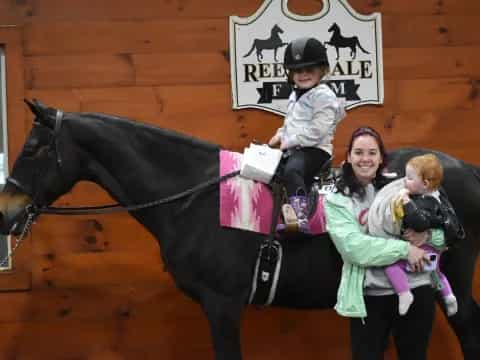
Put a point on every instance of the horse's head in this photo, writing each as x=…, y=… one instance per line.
x=277, y=30
x=333, y=27
x=39, y=175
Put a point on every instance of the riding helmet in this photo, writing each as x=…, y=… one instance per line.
x=305, y=52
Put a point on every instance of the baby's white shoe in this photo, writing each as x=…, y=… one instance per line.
x=405, y=299
x=451, y=304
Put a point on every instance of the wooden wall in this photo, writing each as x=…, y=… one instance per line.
x=98, y=289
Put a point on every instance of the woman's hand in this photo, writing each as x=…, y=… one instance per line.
x=274, y=141
x=417, y=258
x=416, y=238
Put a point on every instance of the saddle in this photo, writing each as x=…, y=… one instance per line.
x=270, y=254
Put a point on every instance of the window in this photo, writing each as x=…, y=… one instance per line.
x=17, y=275
x=5, y=261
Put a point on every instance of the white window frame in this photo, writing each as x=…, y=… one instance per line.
x=5, y=263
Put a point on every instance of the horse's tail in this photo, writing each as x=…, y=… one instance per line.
x=251, y=50
x=360, y=46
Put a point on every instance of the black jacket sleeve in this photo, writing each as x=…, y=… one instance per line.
x=419, y=214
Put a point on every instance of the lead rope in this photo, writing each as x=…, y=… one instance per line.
x=19, y=240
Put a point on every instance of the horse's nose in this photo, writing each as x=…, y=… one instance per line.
x=11, y=206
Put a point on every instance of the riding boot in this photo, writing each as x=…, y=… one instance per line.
x=295, y=215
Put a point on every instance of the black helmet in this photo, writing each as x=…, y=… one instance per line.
x=305, y=52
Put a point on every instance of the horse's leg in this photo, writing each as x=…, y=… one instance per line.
x=460, y=268
x=338, y=54
x=275, y=54
x=353, y=53
x=223, y=316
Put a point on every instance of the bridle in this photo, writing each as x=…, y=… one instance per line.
x=33, y=210
x=37, y=209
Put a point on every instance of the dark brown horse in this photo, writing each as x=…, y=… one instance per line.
x=137, y=163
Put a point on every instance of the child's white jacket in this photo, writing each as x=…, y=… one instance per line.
x=311, y=121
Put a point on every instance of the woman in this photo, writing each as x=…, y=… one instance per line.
x=364, y=293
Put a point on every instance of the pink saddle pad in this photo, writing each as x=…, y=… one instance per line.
x=247, y=205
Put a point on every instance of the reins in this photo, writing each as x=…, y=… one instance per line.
x=115, y=208
x=32, y=210
x=111, y=208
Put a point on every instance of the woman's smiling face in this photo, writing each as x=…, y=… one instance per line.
x=365, y=158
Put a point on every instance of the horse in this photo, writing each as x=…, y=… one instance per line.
x=213, y=265
x=273, y=42
x=339, y=41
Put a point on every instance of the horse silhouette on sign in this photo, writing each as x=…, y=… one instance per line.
x=213, y=265
x=273, y=42
x=339, y=41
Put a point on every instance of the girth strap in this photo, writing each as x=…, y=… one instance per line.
x=269, y=259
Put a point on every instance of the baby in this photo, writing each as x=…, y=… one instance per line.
x=414, y=202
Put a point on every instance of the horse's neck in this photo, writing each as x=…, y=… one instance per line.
x=134, y=162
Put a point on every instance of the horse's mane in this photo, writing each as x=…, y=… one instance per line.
x=138, y=127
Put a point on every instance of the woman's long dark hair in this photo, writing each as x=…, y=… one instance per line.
x=348, y=183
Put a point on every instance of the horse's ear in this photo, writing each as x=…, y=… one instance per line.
x=41, y=112
x=40, y=105
x=33, y=107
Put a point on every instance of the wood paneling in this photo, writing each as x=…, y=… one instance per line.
x=42, y=10
x=79, y=71
x=196, y=35
x=149, y=36
x=99, y=289
x=432, y=62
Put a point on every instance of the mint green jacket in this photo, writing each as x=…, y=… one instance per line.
x=359, y=251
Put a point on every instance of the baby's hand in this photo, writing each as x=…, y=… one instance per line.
x=416, y=238
x=403, y=195
x=403, y=192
